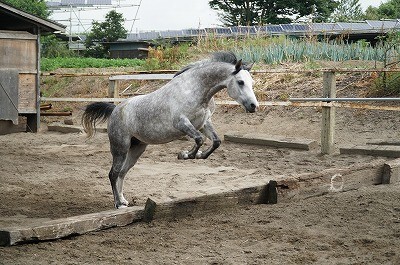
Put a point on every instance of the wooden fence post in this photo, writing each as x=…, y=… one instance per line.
x=113, y=89
x=328, y=114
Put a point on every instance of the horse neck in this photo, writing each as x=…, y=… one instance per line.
x=214, y=78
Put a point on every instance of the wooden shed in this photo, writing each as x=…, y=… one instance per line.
x=20, y=67
x=129, y=49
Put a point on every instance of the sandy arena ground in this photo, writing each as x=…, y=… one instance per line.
x=52, y=175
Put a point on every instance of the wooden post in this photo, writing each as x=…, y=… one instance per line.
x=113, y=89
x=328, y=114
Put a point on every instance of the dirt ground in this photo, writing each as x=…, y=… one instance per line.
x=51, y=175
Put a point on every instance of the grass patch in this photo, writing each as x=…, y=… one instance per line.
x=386, y=85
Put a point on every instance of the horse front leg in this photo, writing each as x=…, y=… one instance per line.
x=185, y=126
x=211, y=134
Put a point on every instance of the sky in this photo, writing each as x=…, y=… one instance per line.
x=155, y=15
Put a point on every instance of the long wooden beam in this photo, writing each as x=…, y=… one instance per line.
x=142, y=77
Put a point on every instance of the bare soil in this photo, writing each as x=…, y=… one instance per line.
x=51, y=175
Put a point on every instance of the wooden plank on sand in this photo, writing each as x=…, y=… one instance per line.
x=64, y=227
x=213, y=200
x=268, y=140
x=372, y=150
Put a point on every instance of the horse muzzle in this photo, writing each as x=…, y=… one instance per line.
x=251, y=107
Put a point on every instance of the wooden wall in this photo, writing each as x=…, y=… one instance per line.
x=18, y=50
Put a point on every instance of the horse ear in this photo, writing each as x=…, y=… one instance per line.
x=248, y=66
x=238, y=67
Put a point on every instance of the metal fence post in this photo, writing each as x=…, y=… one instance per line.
x=328, y=114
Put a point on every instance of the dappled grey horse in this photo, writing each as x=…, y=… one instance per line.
x=181, y=107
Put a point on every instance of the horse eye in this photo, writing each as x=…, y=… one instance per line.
x=240, y=82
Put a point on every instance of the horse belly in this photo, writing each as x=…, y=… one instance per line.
x=157, y=136
x=155, y=129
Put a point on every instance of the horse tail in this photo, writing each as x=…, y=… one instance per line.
x=96, y=112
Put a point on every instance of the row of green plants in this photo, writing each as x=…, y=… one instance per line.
x=293, y=50
x=274, y=50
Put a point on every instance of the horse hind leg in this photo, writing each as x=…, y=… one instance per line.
x=122, y=162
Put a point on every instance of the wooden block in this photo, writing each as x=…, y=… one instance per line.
x=391, y=172
x=274, y=141
x=76, y=225
x=211, y=202
x=269, y=195
x=372, y=150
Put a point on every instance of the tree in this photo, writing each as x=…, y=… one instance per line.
x=261, y=12
x=390, y=9
x=347, y=10
x=102, y=33
x=34, y=7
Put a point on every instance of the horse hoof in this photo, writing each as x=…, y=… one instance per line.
x=183, y=155
x=122, y=204
x=199, y=154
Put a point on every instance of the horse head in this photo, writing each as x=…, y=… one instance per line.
x=240, y=87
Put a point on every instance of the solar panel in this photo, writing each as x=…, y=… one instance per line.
x=324, y=27
x=383, y=24
x=53, y=4
x=272, y=28
x=287, y=27
x=78, y=2
x=149, y=35
x=219, y=31
x=82, y=37
x=243, y=30
x=132, y=36
x=301, y=27
x=171, y=33
x=99, y=2
x=72, y=2
x=354, y=26
x=194, y=32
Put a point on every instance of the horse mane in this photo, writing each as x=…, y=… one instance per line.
x=221, y=56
